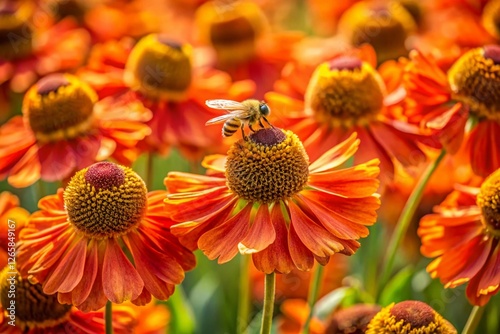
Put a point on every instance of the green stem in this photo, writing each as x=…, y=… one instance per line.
x=474, y=318
x=405, y=219
x=149, y=170
x=267, y=312
x=244, y=295
x=182, y=319
x=109, y=318
x=313, y=296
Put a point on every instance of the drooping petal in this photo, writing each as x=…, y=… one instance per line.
x=261, y=233
x=232, y=231
x=82, y=290
x=301, y=256
x=178, y=182
x=69, y=270
x=490, y=278
x=484, y=147
x=315, y=237
x=276, y=257
x=120, y=279
x=57, y=160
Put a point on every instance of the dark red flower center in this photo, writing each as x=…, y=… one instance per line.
x=413, y=312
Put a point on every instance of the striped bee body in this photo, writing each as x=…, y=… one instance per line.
x=239, y=114
x=230, y=127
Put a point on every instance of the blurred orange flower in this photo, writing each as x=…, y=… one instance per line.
x=273, y=204
x=347, y=95
x=64, y=129
x=162, y=75
x=463, y=237
x=13, y=217
x=35, y=312
x=103, y=238
x=443, y=102
x=29, y=51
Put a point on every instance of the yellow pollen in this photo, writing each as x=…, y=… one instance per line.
x=160, y=68
x=271, y=166
x=491, y=18
x=33, y=309
x=59, y=107
x=231, y=29
x=474, y=79
x=385, y=27
x=15, y=31
x=488, y=200
x=410, y=317
x=345, y=96
x=105, y=200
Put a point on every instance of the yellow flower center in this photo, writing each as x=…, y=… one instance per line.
x=410, y=317
x=475, y=81
x=15, y=31
x=105, y=200
x=58, y=107
x=489, y=202
x=385, y=27
x=345, y=92
x=160, y=68
x=491, y=18
x=231, y=29
x=271, y=166
x=30, y=307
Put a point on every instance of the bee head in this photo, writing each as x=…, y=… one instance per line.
x=264, y=109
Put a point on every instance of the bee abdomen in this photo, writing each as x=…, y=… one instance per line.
x=230, y=127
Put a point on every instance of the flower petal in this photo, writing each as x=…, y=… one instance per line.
x=222, y=241
x=261, y=233
x=276, y=257
x=120, y=279
x=82, y=291
x=301, y=256
x=336, y=156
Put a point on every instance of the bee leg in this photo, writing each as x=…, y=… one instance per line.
x=260, y=123
x=250, y=126
x=265, y=119
x=245, y=138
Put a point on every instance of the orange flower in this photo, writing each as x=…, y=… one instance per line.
x=353, y=319
x=65, y=129
x=243, y=46
x=35, y=312
x=463, y=236
x=443, y=102
x=273, y=204
x=347, y=95
x=13, y=219
x=28, y=51
x=76, y=245
x=160, y=74
x=409, y=316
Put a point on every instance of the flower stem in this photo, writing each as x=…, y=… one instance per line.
x=405, y=219
x=244, y=295
x=109, y=318
x=149, y=171
x=313, y=296
x=267, y=313
x=474, y=318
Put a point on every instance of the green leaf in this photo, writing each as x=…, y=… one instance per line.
x=398, y=288
x=325, y=306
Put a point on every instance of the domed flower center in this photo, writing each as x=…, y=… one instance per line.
x=353, y=319
x=160, y=68
x=271, y=166
x=15, y=31
x=105, y=200
x=231, y=29
x=489, y=202
x=59, y=106
x=345, y=92
x=409, y=317
x=32, y=308
x=386, y=28
x=475, y=81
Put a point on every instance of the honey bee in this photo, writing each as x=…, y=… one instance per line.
x=239, y=113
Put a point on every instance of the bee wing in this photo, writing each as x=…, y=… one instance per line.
x=227, y=105
x=219, y=119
